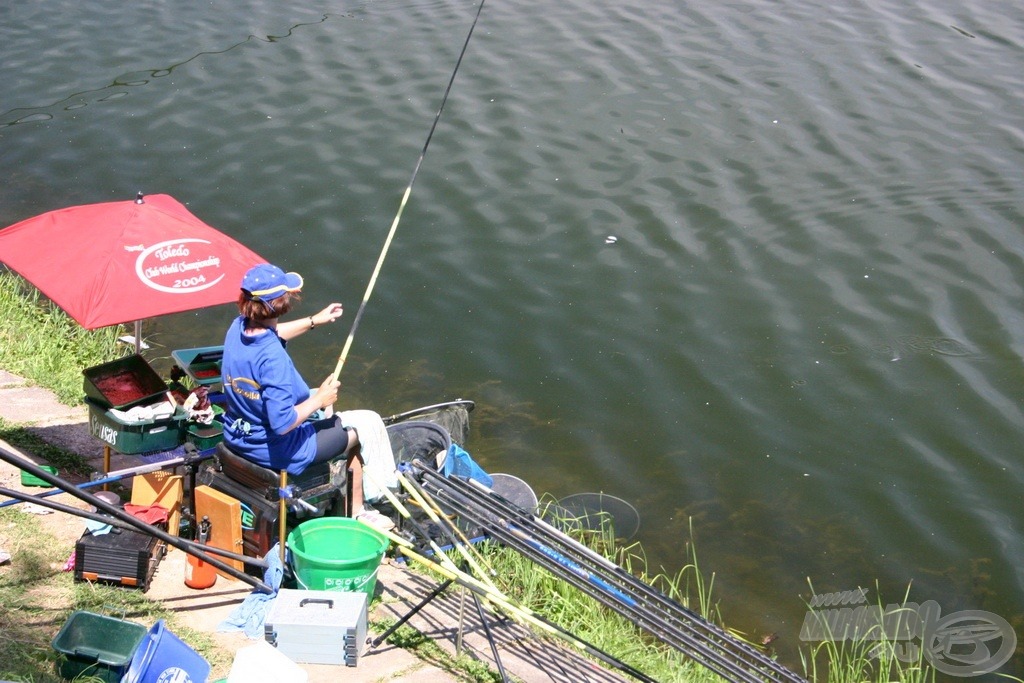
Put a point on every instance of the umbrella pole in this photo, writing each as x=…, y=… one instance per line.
x=138, y=336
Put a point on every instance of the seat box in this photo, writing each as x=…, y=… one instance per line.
x=260, y=530
x=203, y=436
x=318, y=627
x=130, y=438
x=123, y=557
x=318, y=479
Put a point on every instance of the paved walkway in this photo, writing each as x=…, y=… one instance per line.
x=450, y=620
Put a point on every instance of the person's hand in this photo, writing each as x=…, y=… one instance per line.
x=327, y=394
x=331, y=313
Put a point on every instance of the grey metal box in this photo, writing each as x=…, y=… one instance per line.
x=318, y=627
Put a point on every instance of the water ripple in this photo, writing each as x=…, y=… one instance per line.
x=807, y=329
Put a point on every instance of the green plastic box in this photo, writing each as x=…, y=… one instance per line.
x=205, y=436
x=96, y=645
x=28, y=479
x=130, y=438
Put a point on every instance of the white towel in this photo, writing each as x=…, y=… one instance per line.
x=378, y=458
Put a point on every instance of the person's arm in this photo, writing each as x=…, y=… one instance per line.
x=323, y=397
x=293, y=328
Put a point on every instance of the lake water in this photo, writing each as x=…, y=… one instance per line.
x=757, y=265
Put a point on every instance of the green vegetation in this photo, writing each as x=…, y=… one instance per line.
x=42, y=344
x=865, y=656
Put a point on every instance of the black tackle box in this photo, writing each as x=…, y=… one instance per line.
x=120, y=556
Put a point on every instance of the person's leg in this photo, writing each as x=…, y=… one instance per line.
x=333, y=441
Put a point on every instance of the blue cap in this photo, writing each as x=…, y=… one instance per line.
x=266, y=282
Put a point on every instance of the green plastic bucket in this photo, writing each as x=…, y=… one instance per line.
x=336, y=554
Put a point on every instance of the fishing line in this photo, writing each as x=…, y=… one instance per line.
x=405, y=199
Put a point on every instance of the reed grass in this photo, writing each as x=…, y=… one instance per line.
x=578, y=613
x=865, y=656
x=41, y=343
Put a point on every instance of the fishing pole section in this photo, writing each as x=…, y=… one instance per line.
x=123, y=519
x=601, y=579
x=401, y=207
x=473, y=574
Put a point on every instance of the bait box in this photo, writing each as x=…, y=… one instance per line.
x=205, y=436
x=318, y=627
x=144, y=436
x=202, y=364
x=123, y=383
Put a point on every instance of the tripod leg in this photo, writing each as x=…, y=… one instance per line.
x=490, y=637
x=409, y=615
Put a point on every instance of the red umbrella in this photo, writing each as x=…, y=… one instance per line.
x=120, y=262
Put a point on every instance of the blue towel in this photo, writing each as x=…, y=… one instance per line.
x=97, y=528
x=250, y=615
x=459, y=462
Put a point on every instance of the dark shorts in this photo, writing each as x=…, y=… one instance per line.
x=331, y=439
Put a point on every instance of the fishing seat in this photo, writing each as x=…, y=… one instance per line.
x=320, y=488
x=317, y=479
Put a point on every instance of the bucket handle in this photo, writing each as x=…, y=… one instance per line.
x=323, y=601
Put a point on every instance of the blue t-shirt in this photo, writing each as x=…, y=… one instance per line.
x=262, y=388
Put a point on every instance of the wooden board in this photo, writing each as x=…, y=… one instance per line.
x=160, y=488
x=225, y=515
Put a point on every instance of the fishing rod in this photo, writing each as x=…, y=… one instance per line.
x=447, y=568
x=446, y=526
x=100, y=504
x=401, y=206
x=110, y=477
x=615, y=574
x=643, y=593
x=661, y=613
x=743, y=653
x=403, y=511
x=447, y=562
x=617, y=601
x=516, y=610
x=96, y=517
x=449, y=528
